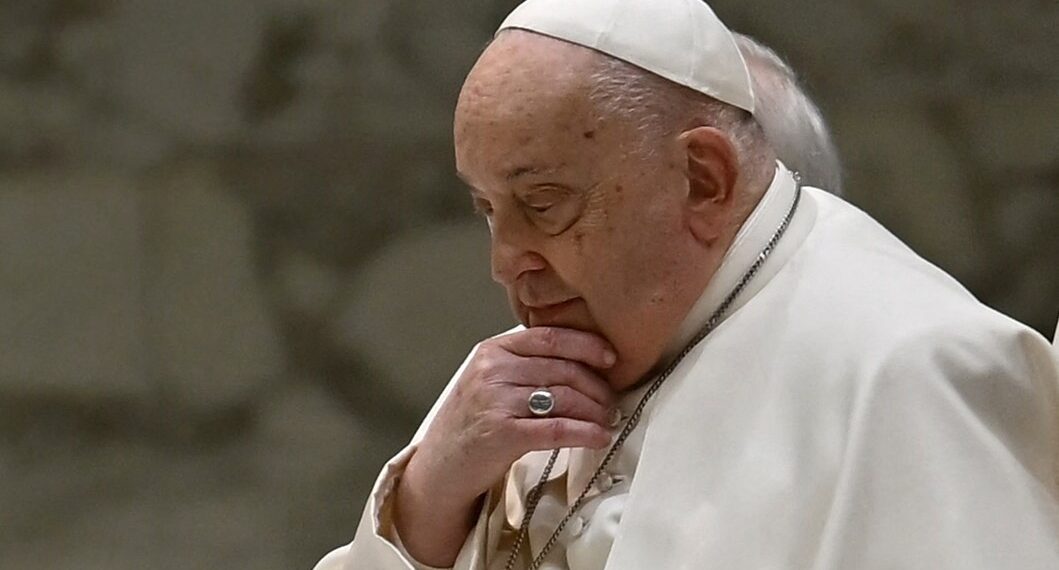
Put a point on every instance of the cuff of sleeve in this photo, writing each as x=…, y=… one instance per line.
x=416, y=565
x=382, y=506
x=472, y=555
x=381, y=503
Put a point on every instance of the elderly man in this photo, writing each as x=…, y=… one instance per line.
x=793, y=125
x=719, y=367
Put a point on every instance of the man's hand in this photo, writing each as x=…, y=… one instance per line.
x=485, y=425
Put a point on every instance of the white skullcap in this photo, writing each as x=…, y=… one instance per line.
x=680, y=40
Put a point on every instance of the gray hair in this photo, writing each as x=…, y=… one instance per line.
x=793, y=124
x=657, y=107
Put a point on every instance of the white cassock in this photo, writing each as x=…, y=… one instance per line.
x=857, y=409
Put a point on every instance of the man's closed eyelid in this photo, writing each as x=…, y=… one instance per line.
x=544, y=199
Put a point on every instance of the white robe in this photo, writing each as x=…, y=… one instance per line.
x=857, y=409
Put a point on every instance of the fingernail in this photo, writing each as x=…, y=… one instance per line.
x=609, y=358
x=614, y=417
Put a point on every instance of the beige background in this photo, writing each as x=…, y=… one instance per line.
x=236, y=267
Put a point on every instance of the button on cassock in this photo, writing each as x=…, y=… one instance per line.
x=577, y=526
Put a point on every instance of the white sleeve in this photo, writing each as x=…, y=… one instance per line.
x=951, y=460
x=376, y=545
x=370, y=547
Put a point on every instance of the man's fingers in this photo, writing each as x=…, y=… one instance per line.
x=569, y=403
x=538, y=371
x=557, y=342
x=540, y=434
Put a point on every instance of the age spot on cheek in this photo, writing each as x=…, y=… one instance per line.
x=579, y=239
x=589, y=134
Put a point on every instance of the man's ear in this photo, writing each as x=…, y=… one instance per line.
x=712, y=171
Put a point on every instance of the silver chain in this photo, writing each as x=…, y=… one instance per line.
x=534, y=496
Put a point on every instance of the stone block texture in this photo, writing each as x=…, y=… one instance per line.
x=236, y=265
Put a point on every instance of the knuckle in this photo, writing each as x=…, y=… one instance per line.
x=556, y=431
x=487, y=365
x=550, y=338
x=486, y=352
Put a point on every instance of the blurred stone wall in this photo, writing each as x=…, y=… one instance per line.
x=236, y=266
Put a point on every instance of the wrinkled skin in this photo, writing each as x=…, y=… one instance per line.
x=574, y=215
x=602, y=252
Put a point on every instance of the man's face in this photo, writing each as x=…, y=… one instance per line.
x=586, y=233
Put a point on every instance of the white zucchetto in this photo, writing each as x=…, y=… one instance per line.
x=680, y=40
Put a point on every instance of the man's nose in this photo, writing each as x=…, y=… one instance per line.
x=512, y=253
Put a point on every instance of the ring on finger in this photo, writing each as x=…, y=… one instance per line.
x=541, y=402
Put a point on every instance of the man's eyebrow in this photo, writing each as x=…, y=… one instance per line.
x=513, y=174
x=526, y=170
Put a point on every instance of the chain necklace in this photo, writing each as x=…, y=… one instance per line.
x=534, y=496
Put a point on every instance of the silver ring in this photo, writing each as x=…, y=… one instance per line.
x=541, y=402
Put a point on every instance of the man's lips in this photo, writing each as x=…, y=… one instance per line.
x=545, y=313
x=548, y=305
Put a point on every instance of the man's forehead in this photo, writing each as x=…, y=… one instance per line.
x=521, y=108
x=517, y=62
x=533, y=115
x=525, y=111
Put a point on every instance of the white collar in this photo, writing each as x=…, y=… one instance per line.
x=751, y=238
x=755, y=232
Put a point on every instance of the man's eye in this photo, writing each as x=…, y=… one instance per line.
x=544, y=202
x=554, y=216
